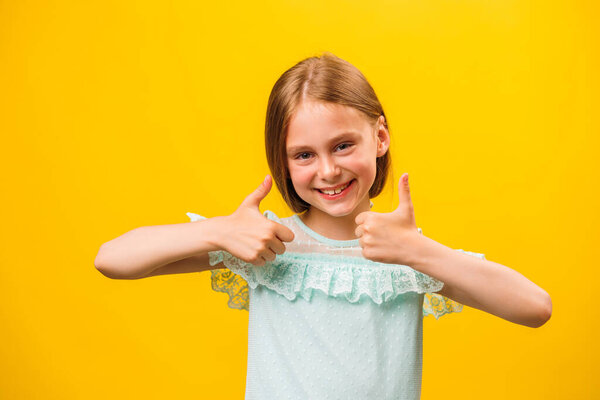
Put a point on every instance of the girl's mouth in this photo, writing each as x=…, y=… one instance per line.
x=338, y=193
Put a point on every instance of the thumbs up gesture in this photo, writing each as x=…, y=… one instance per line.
x=390, y=237
x=251, y=236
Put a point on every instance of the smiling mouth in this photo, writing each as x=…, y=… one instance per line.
x=337, y=190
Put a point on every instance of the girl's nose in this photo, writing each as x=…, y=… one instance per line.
x=328, y=169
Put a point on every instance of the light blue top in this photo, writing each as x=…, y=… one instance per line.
x=326, y=323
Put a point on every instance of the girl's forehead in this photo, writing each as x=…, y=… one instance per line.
x=317, y=120
x=310, y=112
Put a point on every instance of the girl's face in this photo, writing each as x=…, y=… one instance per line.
x=331, y=155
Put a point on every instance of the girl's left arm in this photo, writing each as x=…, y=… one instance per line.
x=482, y=284
x=488, y=286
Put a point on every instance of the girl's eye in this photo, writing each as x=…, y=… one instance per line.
x=301, y=156
x=344, y=144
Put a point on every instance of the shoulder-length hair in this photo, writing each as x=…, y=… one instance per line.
x=327, y=78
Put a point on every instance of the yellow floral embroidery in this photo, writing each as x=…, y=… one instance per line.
x=223, y=280
x=437, y=305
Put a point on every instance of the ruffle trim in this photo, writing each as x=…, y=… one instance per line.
x=235, y=280
x=298, y=274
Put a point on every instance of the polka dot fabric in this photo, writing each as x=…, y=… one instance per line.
x=325, y=323
x=329, y=348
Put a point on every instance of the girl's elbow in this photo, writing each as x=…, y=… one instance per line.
x=110, y=272
x=101, y=265
x=113, y=274
x=104, y=270
x=545, y=311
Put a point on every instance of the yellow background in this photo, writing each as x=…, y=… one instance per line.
x=116, y=115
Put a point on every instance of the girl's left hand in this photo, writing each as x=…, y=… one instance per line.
x=390, y=237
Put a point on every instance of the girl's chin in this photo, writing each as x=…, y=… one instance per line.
x=337, y=210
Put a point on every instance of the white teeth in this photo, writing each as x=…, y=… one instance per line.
x=336, y=191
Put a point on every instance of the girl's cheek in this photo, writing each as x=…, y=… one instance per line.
x=301, y=178
x=366, y=170
x=363, y=167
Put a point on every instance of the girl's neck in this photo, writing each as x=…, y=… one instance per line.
x=337, y=228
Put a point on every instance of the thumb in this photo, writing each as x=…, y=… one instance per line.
x=254, y=198
x=405, y=204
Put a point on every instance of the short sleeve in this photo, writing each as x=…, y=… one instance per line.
x=195, y=217
x=223, y=279
x=437, y=305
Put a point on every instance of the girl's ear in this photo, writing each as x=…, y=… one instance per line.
x=383, y=137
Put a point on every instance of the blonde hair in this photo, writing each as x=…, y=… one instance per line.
x=326, y=78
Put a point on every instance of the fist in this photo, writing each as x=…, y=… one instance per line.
x=390, y=237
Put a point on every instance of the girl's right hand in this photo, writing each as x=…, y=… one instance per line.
x=249, y=235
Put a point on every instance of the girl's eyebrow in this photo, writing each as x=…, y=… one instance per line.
x=336, y=138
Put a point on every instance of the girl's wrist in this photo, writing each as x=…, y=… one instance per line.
x=216, y=232
x=210, y=233
x=426, y=255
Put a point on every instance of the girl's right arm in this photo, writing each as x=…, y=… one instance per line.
x=161, y=249
x=179, y=248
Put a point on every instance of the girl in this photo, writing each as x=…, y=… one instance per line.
x=336, y=292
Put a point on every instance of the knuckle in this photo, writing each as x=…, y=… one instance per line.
x=257, y=261
x=366, y=252
x=369, y=253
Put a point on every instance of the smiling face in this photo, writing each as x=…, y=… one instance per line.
x=331, y=156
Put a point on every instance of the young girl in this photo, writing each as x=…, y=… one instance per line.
x=336, y=292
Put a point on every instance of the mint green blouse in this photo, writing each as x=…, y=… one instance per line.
x=327, y=323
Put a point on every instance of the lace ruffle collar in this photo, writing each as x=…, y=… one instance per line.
x=295, y=274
